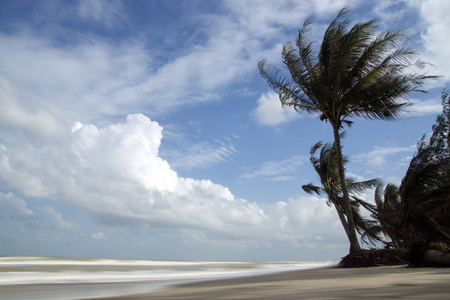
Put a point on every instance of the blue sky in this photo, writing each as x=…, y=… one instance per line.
x=142, y=129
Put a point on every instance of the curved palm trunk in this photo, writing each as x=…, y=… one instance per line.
x=433, y=256
x=343, y=221
x=340, y=214
x=354, y=244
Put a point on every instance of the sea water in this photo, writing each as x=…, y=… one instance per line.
x=83, y=278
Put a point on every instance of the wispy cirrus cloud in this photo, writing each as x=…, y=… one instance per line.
x=432, y=106
x=201, y=155
x=378, y=157
x=55, y=218
x=83, y=82
x=109, y=13
x=94, y=78
x=283, y=170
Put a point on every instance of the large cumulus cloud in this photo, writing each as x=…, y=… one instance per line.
x=115, y=173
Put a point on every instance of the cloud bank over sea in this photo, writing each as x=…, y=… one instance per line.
x=116, y=174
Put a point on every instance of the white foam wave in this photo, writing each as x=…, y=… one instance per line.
x=99, y=274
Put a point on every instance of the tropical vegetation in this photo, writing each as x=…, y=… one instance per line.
x=325, y=166
x=355, y=73
x=418, y=211
x=388, y=212
x=425, y=189
x=413, y=216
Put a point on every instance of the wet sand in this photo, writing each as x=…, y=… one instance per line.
x=330, y=283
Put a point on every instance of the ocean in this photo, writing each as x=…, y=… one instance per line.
x=84, y=278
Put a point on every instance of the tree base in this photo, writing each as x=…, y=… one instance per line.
x=375, y=258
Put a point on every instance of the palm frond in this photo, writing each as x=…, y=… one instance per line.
x=311, y=188
x=358, y=187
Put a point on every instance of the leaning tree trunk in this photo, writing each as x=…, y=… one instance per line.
x=354, y=244
x=343, y=221
x=433, y=256
x=340, y=214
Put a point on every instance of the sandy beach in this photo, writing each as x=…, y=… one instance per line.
x=328, y=283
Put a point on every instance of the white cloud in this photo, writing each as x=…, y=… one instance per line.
x=56, y=218
x=99, y=236
x=437, y=45
x=304, y=219
x=115, y=173
x=18, y=210
x=34, y=121
x=269, y=111
x=377, y=157
x=113, y=170
x=92, y=79
x=425, y=107
x=201, y=155
x=22, y=171
x=390, y=11
x=275, y=170
x=106, y=12
x=264, y=18
x=85, y=81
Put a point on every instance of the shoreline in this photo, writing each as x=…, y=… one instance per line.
x=45, y=278
x=324, y=283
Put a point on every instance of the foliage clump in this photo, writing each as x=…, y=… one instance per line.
x=425, y=189
x=416, y=215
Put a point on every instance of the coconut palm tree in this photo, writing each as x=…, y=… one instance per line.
x=388, y=213
x=326, y=168
x=354, y=74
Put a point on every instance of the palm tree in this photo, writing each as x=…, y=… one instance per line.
x=388, y=213
x=354, y=74
x=325, y=166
